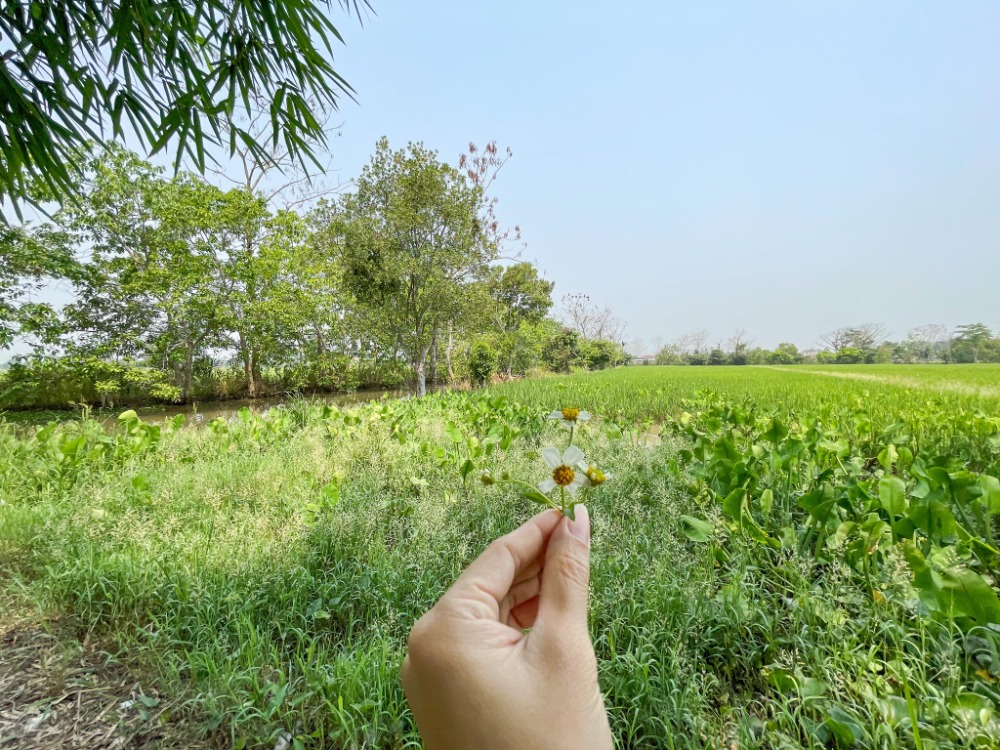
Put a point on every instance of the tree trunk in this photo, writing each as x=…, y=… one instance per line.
x=421, y=372
x=447, y=352
x=434, y=356
x=188, y=376
x=320, y=344
x=249, y=367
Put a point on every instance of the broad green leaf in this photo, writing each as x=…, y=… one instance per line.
x=454, y=434
x=775, y=432
x=696, y=529
x=467, y=468
x=892, y=493
x=888, y=457
x=733, y=504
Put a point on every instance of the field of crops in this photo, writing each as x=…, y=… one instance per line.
x=784, y=558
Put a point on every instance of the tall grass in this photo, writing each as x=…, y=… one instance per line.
x=220, y=561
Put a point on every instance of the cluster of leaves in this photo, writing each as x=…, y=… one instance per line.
x=833, y=500
x=838, y=492
x=175, y=72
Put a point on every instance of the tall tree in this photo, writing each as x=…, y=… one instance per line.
x=973, y=335
x=176, y=71
x=146, y=287
x=585, y=317
x=412, y=244
x=520, y=296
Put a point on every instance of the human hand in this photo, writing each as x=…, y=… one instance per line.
x=475, y=680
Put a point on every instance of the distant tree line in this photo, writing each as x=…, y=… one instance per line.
x=184, y=291
x=860, y=344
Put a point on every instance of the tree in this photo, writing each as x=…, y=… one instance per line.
x=146, y=290
x=717, y=357
x=599, y=354
x=784, y=354
x=29, y=259
x=481, y=169
x=562, y=349
x=669, y=355
x=695, y=342
x=972, y=335
x=520, y=296
x=174, y=71
x=738, y=347
x=928, y=341
x=865, y=337
x=590, y=321
x=412, y=245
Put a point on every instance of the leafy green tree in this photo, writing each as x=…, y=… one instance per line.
x=146, y=290
x=562, y=349
x=174, y=71
x=267, y=289
x=717, y=357
x=972, y=336
x=482, y=362
x=600, y=354
x=850, y=355
x=669, y=355
x=784, y=354
x=28, y=259
x=413, y=245
x=519, y=296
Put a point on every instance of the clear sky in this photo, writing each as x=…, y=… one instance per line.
x=783, y=167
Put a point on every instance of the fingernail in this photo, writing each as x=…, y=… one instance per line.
x=580, y=526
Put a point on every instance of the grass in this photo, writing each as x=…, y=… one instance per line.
x=267, y=570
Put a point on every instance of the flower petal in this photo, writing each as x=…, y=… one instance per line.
x=556, y=415
x=551, y=457
x=583, y=416
x=571, y=456
x=571, y=488
x=580, y=480
x=547, y=485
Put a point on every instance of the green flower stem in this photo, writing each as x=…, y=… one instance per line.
x=533, y=488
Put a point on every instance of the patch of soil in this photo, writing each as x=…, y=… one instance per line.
x=58, y=691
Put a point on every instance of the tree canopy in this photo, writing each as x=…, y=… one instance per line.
x=178, y=72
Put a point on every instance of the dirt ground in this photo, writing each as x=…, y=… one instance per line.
x=61, y=691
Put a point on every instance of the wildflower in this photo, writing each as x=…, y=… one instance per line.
x=570, y=415
x=564, y=475
x=595, y=477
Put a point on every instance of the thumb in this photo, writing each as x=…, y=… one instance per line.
x=562, y=603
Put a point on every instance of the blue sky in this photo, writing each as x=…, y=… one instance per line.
x=782, y=167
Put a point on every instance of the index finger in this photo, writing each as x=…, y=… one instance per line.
x=483, y=585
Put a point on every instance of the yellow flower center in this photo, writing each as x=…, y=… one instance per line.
x=570, y=413
x=563, y=475
x=595, y=475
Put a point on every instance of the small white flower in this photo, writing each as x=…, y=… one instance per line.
x=594, y=476
x=570, y=415
x=563, y=473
